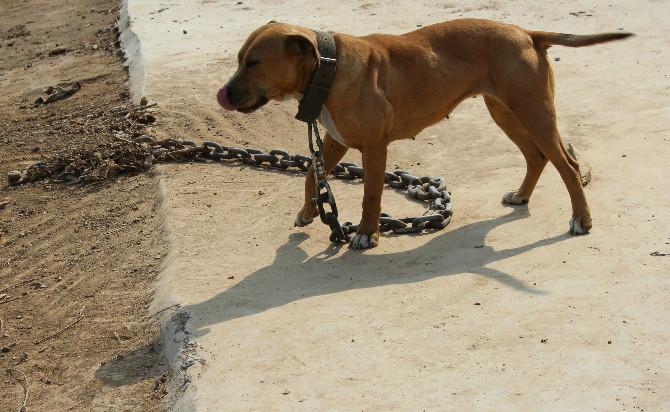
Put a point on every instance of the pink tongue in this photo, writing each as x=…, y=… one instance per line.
x=222, y=98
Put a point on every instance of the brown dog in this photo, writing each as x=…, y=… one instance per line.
x=391, y=87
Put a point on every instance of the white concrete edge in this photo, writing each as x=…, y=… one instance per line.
x=178, y=346
x=180, y=349
x=132, y=48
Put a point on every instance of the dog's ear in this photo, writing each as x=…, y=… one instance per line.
x=272, y=22
x=301, y=45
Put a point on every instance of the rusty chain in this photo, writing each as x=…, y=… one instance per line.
x=428, y=189
x=140, y=153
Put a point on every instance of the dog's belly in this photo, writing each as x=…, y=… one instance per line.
x=409, y=127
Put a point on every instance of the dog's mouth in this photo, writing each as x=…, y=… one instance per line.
x=250, y=109
x=224, y=100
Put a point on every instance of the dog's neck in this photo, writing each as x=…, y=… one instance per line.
x=322, y=76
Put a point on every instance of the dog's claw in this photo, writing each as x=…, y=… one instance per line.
x=300, y=221
x=361, y=241
x=576, y=227
x=513, y=198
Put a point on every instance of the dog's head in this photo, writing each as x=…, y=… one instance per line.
x=275, y=63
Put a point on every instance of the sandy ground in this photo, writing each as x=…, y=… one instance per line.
x=501, y=311
x=70, y=249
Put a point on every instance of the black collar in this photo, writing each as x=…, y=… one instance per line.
x=318, y=87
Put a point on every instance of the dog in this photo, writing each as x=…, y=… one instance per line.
x=391, y=87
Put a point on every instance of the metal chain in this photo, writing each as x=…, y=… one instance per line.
x=323, y=192
x=430, y=189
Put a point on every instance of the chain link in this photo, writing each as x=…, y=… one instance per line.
x=431, y=190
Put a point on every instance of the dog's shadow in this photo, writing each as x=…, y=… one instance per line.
x=295, y=275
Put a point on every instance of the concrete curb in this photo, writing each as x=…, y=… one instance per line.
x=179, y=348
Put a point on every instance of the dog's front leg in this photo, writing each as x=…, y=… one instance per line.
x=332, y=154
x=374, y=164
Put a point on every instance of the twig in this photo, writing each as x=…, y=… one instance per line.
x=148, y=106
x=126, y=140
x=8, y=300
x=17, y=284
x=2, y=327
x=177, y=305
x=118, y=110
x=117, y=336
x=24, y=382
x=66, y=327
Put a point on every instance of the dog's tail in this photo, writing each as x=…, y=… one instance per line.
x=545, y=39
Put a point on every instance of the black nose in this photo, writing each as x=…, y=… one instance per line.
x=234, y=95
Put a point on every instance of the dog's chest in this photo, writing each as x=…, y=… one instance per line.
x=327, y=121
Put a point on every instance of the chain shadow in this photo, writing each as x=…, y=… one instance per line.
x=295, y=275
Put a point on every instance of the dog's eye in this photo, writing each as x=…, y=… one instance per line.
x=252, y=63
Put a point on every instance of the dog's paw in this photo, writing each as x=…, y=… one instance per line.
x=306, y=216
x=577, y=227
x=361, y=241
x=513, y=198
x=301, y=221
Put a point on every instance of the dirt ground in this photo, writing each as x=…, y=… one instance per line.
x=68, y=251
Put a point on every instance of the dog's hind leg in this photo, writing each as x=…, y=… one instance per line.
x=332, y=154
x=535, y=160
x=536, y=113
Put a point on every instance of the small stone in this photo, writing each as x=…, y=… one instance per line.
x=57, y=51
x=543, y=340
x=148, y=162
x=95, y=47
x=39, y=285
x=147, y=119
x=14, y=177
x=184, y=31
x=144, y=101
x=477, y=304
x=557, y=59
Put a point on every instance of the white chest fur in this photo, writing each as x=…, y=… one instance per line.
x=327, y=121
